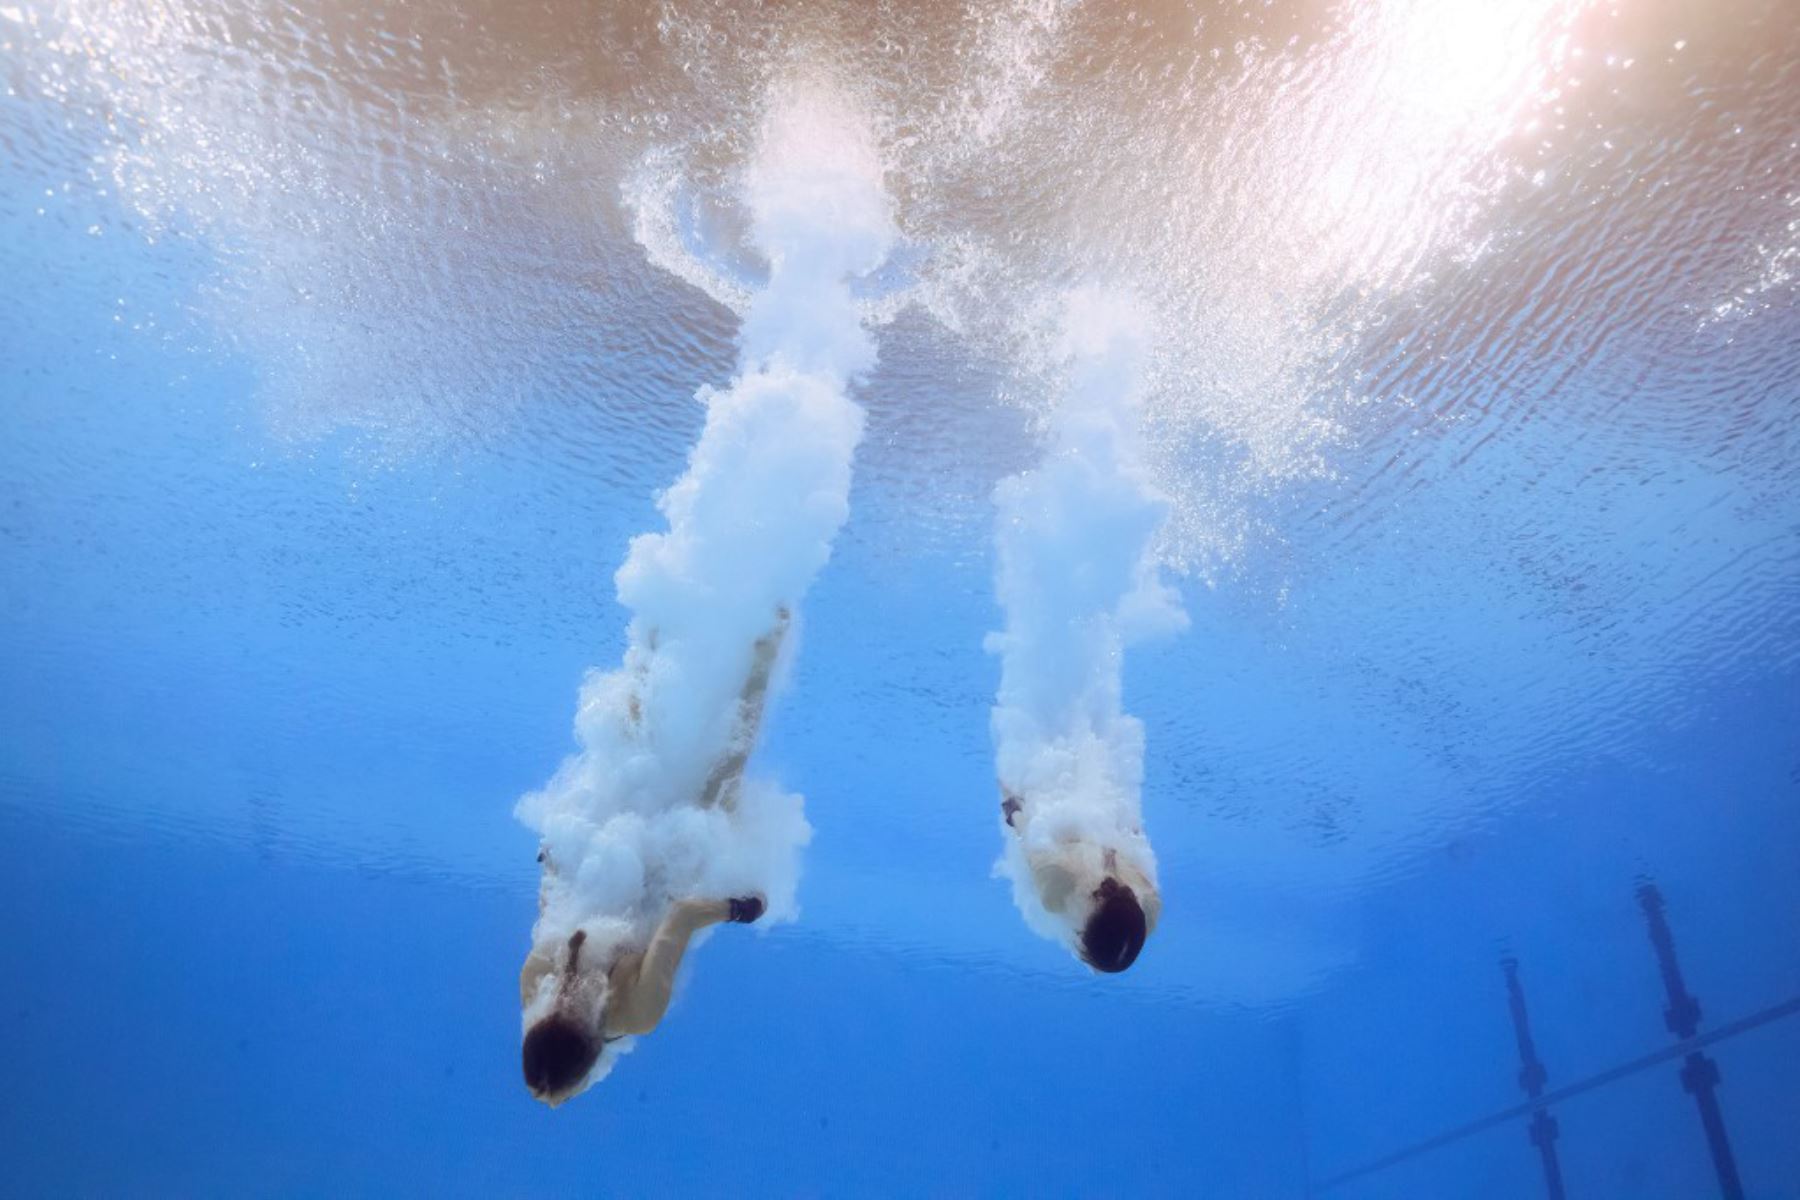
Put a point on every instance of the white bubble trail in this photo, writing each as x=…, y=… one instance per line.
x=1078, y=582
x=750, y=524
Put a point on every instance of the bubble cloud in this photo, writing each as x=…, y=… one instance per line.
x=625, y=822
x=1078, y=581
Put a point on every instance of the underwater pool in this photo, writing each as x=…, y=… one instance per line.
x=1400, y=401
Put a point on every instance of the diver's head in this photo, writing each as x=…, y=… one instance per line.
x=558, y=1055
x=566, y=1016
x=1115, y=928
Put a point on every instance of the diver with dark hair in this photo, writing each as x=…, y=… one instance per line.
x=592, y=1003
x=1108, y=902
x=583, y=991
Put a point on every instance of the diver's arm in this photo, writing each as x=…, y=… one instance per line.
x=1056, y=875
x=537, y=966
x=721, y=785
x=1055, y=869
x=640, y=999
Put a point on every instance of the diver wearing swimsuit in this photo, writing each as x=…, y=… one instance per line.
x=588, y=1002
x=1103, y=895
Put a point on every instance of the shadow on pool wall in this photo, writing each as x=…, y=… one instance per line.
x=1419, y=1040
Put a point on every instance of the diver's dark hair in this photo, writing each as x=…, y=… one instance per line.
x=557, y=1054
x=1115, y=930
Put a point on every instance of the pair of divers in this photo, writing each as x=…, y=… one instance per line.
x=578, y=998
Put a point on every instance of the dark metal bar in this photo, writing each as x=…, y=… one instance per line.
x=1786, y=1008
x=1531, y=1077
x=1700, y=1075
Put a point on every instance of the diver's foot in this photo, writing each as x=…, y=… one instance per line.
x=746, y=909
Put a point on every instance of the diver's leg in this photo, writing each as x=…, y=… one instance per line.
x=639, y=1003
x=762, y=666
x=722, y=785
x=538, y=965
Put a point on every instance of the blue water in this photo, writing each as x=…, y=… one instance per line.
x=267, y=699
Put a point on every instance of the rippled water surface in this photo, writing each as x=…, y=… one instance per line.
x=344, y=347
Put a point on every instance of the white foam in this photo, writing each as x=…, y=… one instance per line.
x=1078, y=582
x=749, y=524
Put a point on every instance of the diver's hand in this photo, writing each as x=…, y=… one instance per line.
x=746, y=909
